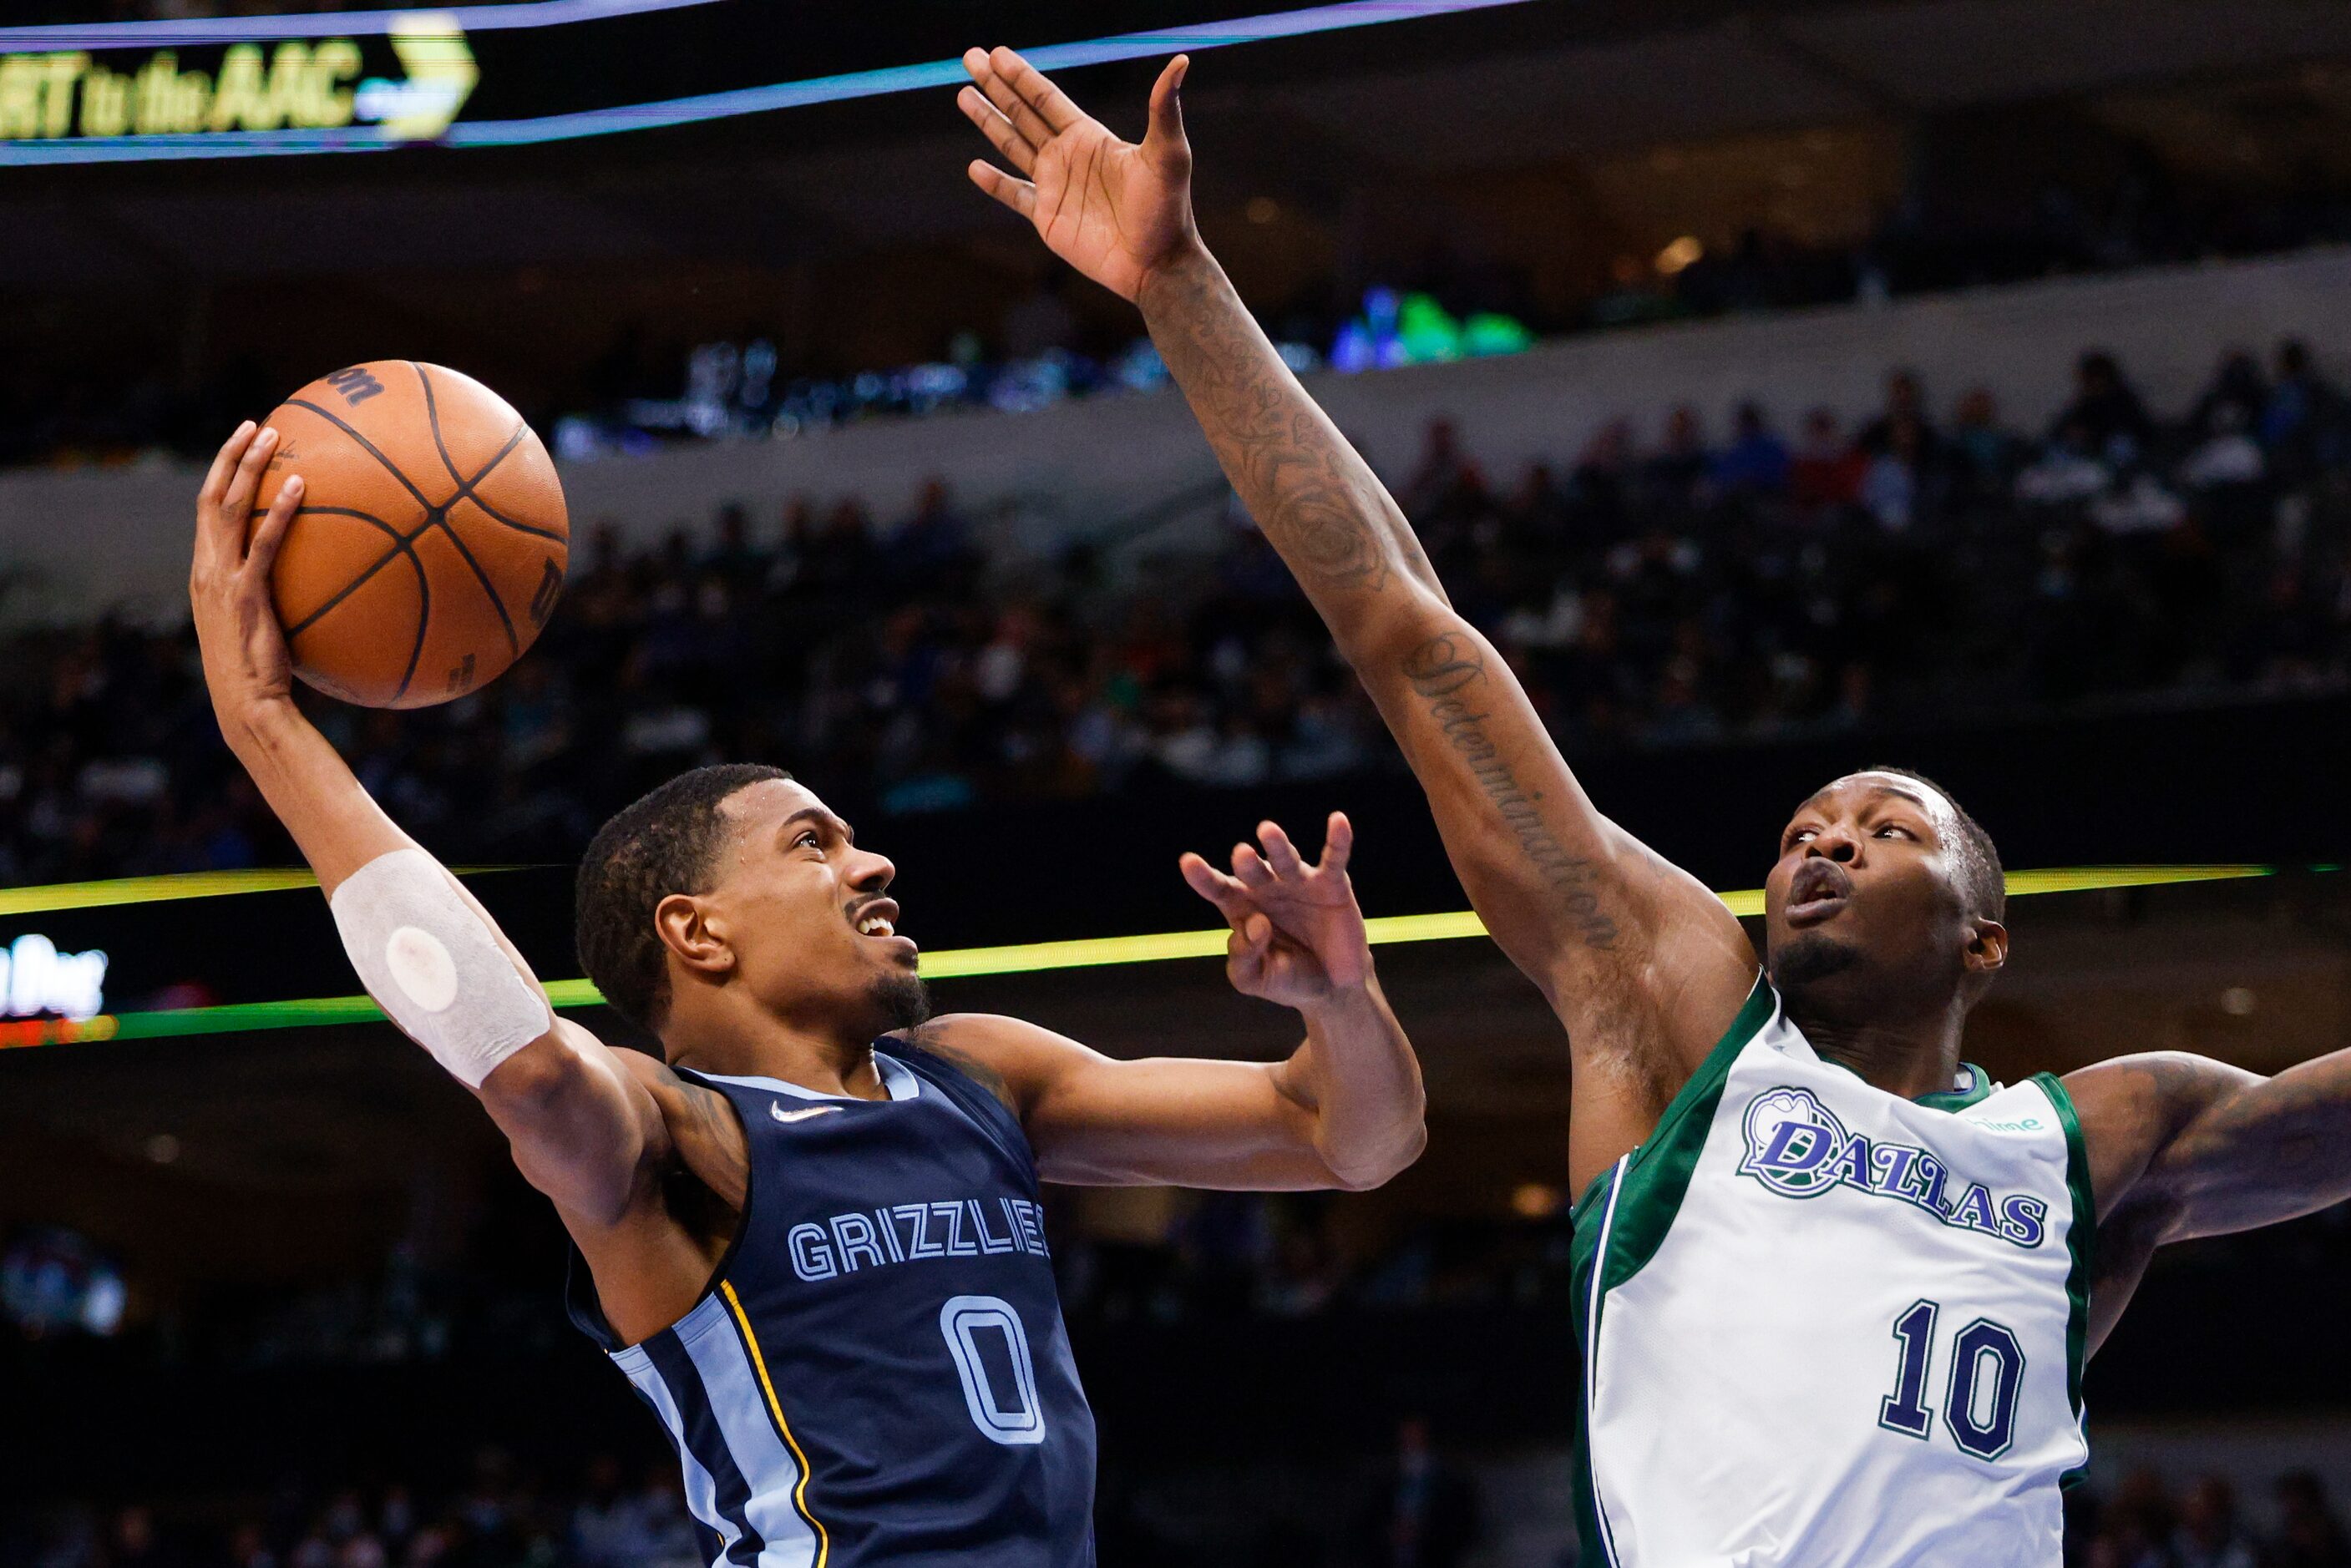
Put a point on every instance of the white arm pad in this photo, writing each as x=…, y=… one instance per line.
x=430, y=961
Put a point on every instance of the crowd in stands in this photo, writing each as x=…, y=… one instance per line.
x=603, y=1514
x=2149, y=1524
x=1667, y=586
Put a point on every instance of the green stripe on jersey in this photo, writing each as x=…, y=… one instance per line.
x=1636, y=1209
x=2080, y=1243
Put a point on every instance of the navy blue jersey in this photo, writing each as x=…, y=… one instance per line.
x=878, y=1372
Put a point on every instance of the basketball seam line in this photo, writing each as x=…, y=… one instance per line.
x=367, y=446
x=495, y=515
x=465, y=485
x=465, y=489
x=432, y=516
x=433, y=419
x=423, y=622
x=401, y=545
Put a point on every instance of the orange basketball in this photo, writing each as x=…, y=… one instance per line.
x=432, y=540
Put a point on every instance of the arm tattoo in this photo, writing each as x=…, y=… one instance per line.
x=1449, y=676
x=1317, y=500
x=1321, y=506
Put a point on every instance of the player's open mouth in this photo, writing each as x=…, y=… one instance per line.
x=879, y=920
x=1817, y=891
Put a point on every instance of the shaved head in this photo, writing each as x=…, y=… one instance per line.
x=1886, y=902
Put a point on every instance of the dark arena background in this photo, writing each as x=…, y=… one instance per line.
x=1784, y=388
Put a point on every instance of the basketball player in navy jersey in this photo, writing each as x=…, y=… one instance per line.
x=812, y=1236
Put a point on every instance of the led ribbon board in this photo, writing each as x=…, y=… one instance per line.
x=367, y=81
x=954, y=963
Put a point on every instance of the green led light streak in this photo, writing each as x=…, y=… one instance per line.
x=1094, y=952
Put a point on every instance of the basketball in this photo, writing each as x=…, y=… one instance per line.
x=432, y=540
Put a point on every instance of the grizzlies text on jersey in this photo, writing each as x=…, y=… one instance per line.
x=878, y=1373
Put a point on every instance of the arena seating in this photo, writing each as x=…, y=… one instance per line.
x=1794, y=575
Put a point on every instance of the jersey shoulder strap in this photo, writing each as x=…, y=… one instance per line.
x=979, y=1104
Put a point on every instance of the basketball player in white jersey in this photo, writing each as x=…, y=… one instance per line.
x=1834, y=1289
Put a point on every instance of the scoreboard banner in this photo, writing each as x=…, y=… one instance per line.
x=545, y=70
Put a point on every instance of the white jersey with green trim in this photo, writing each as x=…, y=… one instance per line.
x=1825, y=1325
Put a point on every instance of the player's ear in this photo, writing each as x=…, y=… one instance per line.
x=1987, y=950
x=686, y=930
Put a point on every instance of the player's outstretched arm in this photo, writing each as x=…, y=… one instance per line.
x=580, y=1122
x=1630, y=951
x=2181, y=1146
x=1344, y=1110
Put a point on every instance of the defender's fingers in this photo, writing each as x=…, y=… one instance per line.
x=975, y=105
x=1280, y=852
x=1244, y=960
x=1250, y=867
x=1018, y=194
x=1167, y=104
x=1338, y=842
x=263, y=552
x=1231, y=899
x=998, y=130
x=1011, y=105
x=1051, y=104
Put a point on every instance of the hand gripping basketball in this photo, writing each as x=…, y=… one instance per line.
x=431, y=542
x=228, y=581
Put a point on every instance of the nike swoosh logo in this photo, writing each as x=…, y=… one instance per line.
x=776, y=1109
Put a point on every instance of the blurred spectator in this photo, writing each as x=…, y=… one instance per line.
x=1984, y=456
x=137, y=1543
x=1673, y=473
x=1756, y=462
x=2208, y=1536
x=2309, y=1533
x=1903, y=423
x=1423, y=1512
x=1446, y=479
x=1826, y=470
x=2303, y=423
x=1672, y=597
x=2112, y=420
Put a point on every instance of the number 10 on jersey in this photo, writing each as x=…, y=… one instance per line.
x=1981, y=1414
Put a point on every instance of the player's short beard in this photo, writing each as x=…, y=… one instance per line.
x=903, y=1000
x=1802, y=962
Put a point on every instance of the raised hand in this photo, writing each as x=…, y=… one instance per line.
x=1114, y=210
x=228, y=583
x=1298, y=935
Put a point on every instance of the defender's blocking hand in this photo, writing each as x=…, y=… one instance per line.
x=1114, y=210
x=1298, y=933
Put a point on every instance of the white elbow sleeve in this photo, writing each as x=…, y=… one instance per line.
x=430, y=961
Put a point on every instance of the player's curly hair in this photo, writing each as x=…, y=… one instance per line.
x=660, y=844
